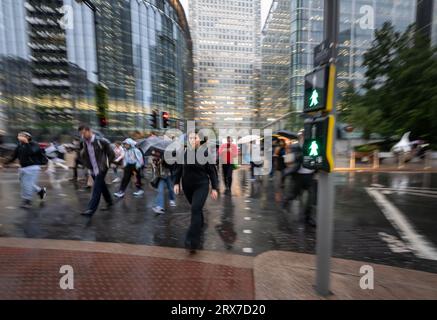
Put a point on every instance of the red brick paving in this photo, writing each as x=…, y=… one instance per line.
x=34, y=274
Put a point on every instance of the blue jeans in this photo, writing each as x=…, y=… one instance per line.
x=163, y=182
x=28, y=179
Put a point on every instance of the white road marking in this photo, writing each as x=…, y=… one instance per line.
x=247, y=208
x=11, y=208
x=376, y=185
x=247, y=231
x=416, y=242
x=394, y=243
x=247, y=250
x=247, y=201
x=247, y=218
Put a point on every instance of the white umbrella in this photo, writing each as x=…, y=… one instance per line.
x=249, y=138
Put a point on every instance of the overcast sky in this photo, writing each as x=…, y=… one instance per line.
x=265, y=7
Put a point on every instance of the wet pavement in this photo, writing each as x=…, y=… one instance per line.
x=248, y=223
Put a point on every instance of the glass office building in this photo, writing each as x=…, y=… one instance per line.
x=226, y=35
x=53, y=53
x=275, y=63
x=358, y=21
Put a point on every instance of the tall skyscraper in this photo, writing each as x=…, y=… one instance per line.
x=226, y=42
x=54, y=53
x=275, y=63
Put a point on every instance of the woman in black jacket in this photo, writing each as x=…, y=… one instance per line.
x=195, y=182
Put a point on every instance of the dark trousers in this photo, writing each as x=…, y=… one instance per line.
x=303, y=182
x=127, y=175
x=99, y=188
x=227, y=175
x=196, y=196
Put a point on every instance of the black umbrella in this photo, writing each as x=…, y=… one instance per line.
x=287, y=134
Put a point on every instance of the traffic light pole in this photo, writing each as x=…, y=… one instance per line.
x=325, y=193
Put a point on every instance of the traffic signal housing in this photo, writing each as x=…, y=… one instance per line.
x=154, y=120
x=318, y=144
x=319, y=89
x=165, y=119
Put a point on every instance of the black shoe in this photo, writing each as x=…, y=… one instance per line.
x=27, y=204
x=311, y=222
x=42, y=193
x=108, y=207
x=88, y=213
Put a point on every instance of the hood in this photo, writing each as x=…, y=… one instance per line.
x=130, y=142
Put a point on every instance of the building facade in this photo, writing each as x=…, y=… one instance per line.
x=54, y=53
x=275, y=64
x=226, y=42
x=358, y=21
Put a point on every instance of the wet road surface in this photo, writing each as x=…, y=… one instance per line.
x=386, y=218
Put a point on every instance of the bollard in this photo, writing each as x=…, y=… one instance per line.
x=376, y=159
x=352, y=160
x=401, y=160
x=428, y=160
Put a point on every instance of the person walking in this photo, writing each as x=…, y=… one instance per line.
x=228, y=152
x=163, y=172
x=31, y=158
x=132, y=162
x=196, y=178
x=118, y=162
x=96, y=154
x=303, y=180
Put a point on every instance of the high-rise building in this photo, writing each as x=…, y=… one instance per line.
x=358, y=21
x=275, y=63
x=226, y=36
x=54, y=53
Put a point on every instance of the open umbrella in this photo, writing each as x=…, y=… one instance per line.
x=145, y=144
x=249, y=138
x=287, y=134
x=160, y=146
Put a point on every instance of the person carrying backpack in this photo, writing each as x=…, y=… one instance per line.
x=31, y=157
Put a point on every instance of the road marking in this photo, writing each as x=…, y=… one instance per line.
x=247, y=218
x=247, y=201
x=247, y=250
x=247, y=208
x=376, y=185
x=247, y=231
x=394, y=243
x=11, y=208
x=416, y=242
x=409, y=190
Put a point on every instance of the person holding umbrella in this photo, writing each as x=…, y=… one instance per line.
x=196, y=178
x=132, y=162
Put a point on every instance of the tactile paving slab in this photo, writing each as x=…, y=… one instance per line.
x=35, y=274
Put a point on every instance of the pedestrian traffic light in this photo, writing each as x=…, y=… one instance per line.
x=317, y=147
x=319, y=89
x=165, y=119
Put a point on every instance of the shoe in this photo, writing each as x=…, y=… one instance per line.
x=88, y=213
x=119, y=194
x=138, y=193
x=310, y=221
x=190, y=248
x=158, y=210
x=172, y=203
x=116, y=180
x=27, y=204
x=107, y=208
x=42, y=193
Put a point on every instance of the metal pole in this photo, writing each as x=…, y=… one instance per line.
x=325, y=202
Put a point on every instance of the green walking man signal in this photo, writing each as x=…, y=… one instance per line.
x=314, y=98
x=314, y=149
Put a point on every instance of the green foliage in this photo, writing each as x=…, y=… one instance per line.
x=102, y=100
x=400, y=89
